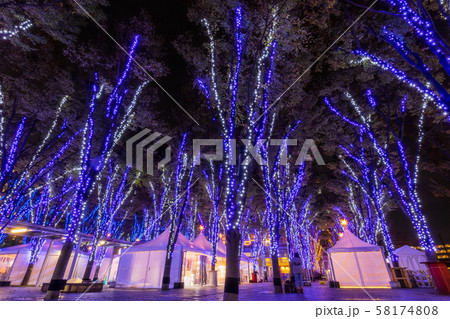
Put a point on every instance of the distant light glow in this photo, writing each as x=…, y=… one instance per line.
x=19, y=230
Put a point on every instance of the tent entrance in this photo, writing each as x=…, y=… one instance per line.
x=195, y=269
x=220, y=268
x=6, y=263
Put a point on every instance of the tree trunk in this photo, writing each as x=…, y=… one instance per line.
x=277, y=288
x=169, y=254
x=232, y=275
x=168, y=264
x=57, y=283
x=97, y=271
x=213, y=276
x=291, y=272
x=166, y=276
x=27, y=276
x=88, y=270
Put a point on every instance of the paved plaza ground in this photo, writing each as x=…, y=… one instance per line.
x=249, y=292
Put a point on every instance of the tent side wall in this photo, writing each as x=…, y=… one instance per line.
x=105, y=271
x=378, y=276
x=132, y=269
x=145, y=269
x=20, y=266
x=413, y=262
x=360, y=269
x=345, y=269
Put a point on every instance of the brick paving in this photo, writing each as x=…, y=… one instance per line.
x=249, y=292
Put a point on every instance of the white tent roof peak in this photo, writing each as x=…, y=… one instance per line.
x=408, y=251
x=202, y=242
x=350, y=242
x=160, y=243
x=222, y=247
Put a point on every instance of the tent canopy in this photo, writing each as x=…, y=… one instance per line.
x=142, y=266
x=408, y=251
x=411, y=258
x=222, y=248
x=160, y=243
x=356, y=263
x=350, y=242
x=26, y=248
x=203, y=243
x=57, y=245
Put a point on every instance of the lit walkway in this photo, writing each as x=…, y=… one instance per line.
x=261, y=291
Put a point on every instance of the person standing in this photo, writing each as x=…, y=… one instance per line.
x=297, y=270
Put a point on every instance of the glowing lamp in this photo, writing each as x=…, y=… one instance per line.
x=201, y=227
x=341, y=234
x=19, y=230
x=344, y=222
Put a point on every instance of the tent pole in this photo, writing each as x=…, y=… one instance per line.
x=183, y=266
x=180, y=273
x=359, y=269
x=44, y=264
x=146, y=269
x=75, y=257
x=332, y=267
x=387, y=268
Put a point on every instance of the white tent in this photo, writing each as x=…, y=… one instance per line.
x=221, y=247
x=142, y=266
x=411, y=258
x=358, y=264
x=14, y=262
x=245, y=264
x=204, y=244
x=109, y=266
